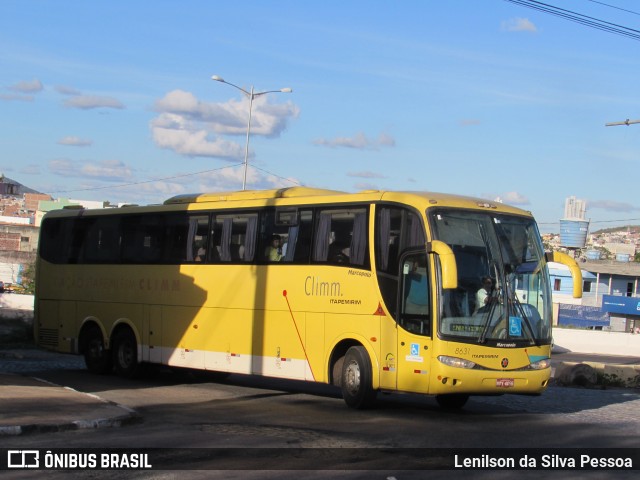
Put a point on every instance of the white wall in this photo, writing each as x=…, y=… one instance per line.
x=596, y=341
x=16, y=302
x=9, y=272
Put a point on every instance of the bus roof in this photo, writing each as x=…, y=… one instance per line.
x=250, y=195
x=428, y=198
x=300, y=195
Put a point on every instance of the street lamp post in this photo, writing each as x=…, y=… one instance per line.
x=627, y=122
x=251, y=95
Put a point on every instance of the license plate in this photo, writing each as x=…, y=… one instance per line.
x=505, y=382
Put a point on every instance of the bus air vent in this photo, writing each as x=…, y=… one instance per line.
x=48, y=337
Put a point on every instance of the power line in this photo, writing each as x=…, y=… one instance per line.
x=172, y=178
x=596, y=221
x=586, y=20
x=613, y=6
x=278, y=176
x=146, y=181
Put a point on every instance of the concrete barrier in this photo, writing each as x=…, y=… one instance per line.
x=16, y=318
x=591, y=373
x=14, y=301
x=596, y=341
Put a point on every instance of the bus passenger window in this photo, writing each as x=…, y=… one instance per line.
x=198, y=236
x=341, y=237
x=102, y=241
x=235, y=237
x=142, y=238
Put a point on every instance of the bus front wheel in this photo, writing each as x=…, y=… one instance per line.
x=125, y=353
x=356, y=384
x=96, y=357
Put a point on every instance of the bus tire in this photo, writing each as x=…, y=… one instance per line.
x=125, y=353
x=452, y=401
x=356, y=380
x=96, y=357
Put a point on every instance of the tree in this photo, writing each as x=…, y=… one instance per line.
x=29, y=278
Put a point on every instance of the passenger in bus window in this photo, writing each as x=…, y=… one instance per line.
x=201, y=255
x=484, y=296
x=339, y=252
x=274, y=251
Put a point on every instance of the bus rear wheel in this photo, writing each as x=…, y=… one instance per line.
x=356, y=384
x=125, y=353
x=452, y=401
x=96, y=357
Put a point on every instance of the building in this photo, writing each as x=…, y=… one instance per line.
x=611, y=296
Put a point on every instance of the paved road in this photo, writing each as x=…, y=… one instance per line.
x=575, y=404
x=184, y=410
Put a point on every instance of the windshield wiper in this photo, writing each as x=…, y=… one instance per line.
x=493, y=301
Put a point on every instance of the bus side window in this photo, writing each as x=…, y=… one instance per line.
x=414, y=307
x=198, y=238
x=341, y=237
x=235, y=237
x=142, y=238
x=55, y=233
x=102, y=242
x=176, y=238
x=294, y=227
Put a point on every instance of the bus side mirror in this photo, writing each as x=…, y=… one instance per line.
x=576, y=274
x=447, y=263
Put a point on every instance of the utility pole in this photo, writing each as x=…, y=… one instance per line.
x=627, y=122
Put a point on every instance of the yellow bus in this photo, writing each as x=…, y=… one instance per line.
x=372, y=291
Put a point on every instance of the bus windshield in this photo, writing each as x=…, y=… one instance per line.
x=503, y=296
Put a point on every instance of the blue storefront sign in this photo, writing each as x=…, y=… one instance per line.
x=582, y=316
x=618, y=304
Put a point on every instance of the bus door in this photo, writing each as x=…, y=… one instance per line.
x=415, y=323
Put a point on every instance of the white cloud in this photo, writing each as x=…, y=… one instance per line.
x=175, y=133
x=75, y=142
x=32, y=169
x=17, y=97
x=513, y=198
x=107, y=170
x=195, y=128
x=365, y=186
x=613, y=206
x=66, y=90
x=358, y=141
x=87, y=102
x=366, y=175
x=519, y=25
x=32, y=86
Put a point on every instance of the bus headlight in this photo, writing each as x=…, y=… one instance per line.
x=541, y=364
x=456, y=362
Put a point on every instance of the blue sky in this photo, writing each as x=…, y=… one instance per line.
x=114, y=100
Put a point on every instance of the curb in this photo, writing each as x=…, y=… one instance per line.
x=130, y=416
x=15, y=430
x=603, y=373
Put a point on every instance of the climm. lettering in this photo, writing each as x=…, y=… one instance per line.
x=159, y=284
x=315, y=287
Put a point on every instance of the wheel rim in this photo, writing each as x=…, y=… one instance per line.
x=352, y=378
x=95, y=349
x=125, y=355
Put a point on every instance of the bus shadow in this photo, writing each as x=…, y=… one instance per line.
x=556, y=400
